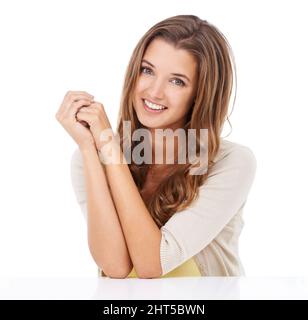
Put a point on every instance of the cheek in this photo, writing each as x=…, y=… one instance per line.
x=137, y=91
x=178, y=100
x=141, y=85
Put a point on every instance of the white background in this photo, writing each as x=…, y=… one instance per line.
x=50, y=47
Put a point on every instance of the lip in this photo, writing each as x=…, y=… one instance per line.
x=151, y=110
x=154, y=102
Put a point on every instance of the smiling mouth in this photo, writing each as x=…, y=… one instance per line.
x=153, y=108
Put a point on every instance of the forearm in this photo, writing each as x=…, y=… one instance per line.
x=105, y=237
x=140, y=230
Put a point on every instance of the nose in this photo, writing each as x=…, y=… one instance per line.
x=156, y=90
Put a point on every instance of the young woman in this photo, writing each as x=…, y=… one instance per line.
x=152, y=220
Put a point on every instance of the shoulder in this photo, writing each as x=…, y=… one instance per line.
x=235, y=164
x=235, y=154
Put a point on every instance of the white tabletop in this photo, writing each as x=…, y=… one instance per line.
x=203, y=288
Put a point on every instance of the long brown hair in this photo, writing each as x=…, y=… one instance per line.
x=215, y=60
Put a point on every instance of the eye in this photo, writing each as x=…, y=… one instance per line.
x=145, y=68
x=181, y=83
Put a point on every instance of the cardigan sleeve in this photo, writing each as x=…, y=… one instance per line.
x=224, y=192
x=79, y=187
x=78, y=181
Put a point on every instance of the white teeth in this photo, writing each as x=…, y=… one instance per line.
x=153, y=106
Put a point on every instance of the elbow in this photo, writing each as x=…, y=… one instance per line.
x=113, y=268
x=149, y=270
x=116, y=273
x=149, y=274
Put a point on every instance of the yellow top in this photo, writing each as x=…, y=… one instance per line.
x=187, y=269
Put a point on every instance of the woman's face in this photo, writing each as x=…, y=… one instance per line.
x=167, y=78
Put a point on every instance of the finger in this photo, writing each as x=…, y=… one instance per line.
x=76, y=98
x=74, y=107
x=84, y=123
x=88, y=109
x=71, y=93
x=85, y=110
x=83, y=116
x=96, y=104
x=97, y=108
x=68, y=101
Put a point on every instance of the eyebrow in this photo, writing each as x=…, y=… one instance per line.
x=174, y=74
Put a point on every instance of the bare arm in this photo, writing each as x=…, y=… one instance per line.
x=106, y=240
x=105, y=237
x=143, y=237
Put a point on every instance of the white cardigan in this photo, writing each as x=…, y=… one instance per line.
x=208, y=231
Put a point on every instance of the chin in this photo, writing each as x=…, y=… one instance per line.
x=149, y=123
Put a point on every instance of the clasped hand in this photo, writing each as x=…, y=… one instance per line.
x=83, y=118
